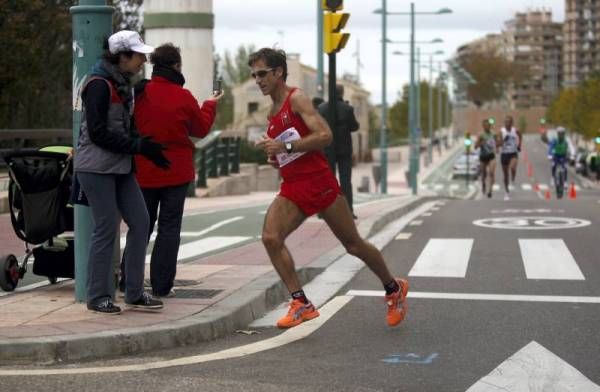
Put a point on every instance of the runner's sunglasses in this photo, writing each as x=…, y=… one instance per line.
x=261, y=73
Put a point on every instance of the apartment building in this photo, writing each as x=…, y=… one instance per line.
x=581, y=31
x=534, y=42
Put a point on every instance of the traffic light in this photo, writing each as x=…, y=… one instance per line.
x=542, y=121
x=333, y=5
x=597, y=139
x=468, y=142
x=492, y=121
x=333, y=22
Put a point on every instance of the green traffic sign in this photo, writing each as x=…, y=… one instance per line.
x=542, y=120
x=597, y=139
x=492, y=121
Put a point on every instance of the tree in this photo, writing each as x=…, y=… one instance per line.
x=127, y=15
x=493, y=72
x=236, y=70
x=36, y=63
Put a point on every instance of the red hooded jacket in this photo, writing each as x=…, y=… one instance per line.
x=170, y=114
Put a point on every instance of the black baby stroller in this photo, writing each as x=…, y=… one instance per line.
x=38, y=197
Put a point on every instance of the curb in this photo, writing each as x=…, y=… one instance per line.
x=234, y=312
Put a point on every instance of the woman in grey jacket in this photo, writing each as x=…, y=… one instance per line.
x=104, y=167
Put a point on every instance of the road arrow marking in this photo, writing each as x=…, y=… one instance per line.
x=534, y=368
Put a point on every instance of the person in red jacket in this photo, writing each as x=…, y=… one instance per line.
x=169, y=114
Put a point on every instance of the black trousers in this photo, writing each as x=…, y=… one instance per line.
x=166, y=205
x=343, y=165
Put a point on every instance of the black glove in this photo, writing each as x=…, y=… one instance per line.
x=153, y=151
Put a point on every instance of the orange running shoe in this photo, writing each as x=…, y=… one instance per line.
x=397, y=306
x=298, y=312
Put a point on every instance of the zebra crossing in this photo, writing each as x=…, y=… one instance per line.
x=543, y=259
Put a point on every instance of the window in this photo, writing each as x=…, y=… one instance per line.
x=252, y=107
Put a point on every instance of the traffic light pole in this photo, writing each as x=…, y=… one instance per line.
x=320, y=76
x=332, y=99
x=92, y=23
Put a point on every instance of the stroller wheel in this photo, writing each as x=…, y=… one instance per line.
x=9, y=272
x=52, y=279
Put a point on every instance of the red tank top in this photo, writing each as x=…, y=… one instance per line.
x=286, y=125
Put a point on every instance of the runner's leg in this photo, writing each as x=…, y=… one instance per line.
x=339, y=219
x=282, y=218
x=484, y=165
x=492, y=174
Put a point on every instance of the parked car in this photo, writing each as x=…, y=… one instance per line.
x=462, y=169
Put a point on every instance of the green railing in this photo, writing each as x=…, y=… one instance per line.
x=215, y=156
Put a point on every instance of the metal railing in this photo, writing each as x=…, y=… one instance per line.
x=215, y=156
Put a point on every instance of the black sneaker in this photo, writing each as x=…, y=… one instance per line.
x=146, y=301
x=105, y=307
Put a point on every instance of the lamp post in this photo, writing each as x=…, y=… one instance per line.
x=412, y=115
x=430, y=95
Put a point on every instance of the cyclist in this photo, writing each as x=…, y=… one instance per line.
x=486, y=142
x=557, y=151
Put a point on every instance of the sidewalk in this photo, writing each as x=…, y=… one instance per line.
x=46, y=325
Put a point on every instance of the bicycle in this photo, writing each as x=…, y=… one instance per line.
x=560, y=178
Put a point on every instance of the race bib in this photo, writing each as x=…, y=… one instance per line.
x=288, y=135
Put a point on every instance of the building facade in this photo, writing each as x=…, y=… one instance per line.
x=534, y=43
x=250, y=107
x=581, y=49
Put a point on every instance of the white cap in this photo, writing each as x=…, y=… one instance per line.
x=127, y=40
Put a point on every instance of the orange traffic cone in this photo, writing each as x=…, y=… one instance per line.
x=529, y=170
x=547, y=194
x=536, y=187
x=572, y=191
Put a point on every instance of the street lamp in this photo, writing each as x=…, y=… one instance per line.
x=430, y=95
x=412, y=115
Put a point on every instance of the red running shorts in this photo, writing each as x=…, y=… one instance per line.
x=312, y=194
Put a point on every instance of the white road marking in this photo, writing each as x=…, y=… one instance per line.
x=548, y=259
x=454, y=187
x=291, y=335
x=193, y=233
x=403, y=236
x=526, y=187
x=443, y=258
x=483, y=297
x=416, y=223
x=544, y=187
x=438, y=187
x=534, y=369
x=203, y=246
x=426, y=214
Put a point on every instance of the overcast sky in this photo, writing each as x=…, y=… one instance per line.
x=291, y=25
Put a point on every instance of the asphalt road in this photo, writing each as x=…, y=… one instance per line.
x=490, y=280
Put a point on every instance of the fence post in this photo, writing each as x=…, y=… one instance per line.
x=235, y=164
x=225, y=157
x=214, y=155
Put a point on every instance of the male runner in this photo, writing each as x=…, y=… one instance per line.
x=486, y=142
x=509, y=153
x=294, y=140
x=558, y=149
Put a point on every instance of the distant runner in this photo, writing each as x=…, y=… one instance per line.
x=510, y=147
x=293, y=143
x=486, y=142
